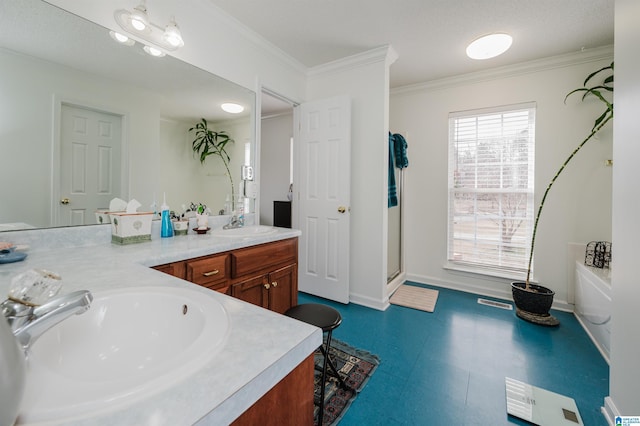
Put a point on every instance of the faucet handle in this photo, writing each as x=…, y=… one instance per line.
x=35, y=287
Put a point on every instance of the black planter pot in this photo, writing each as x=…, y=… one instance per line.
x=533, y=305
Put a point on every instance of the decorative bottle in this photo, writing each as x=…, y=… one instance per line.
x=166, y=227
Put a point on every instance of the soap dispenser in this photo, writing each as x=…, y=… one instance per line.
x=166, y=227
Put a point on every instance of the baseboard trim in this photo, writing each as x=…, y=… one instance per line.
x=504, y=294
x=369, y=302
x=609, y=411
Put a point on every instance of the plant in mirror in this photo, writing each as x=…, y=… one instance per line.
x=64, y=77
x=209, y=142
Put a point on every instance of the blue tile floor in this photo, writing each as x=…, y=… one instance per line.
x=448, y=367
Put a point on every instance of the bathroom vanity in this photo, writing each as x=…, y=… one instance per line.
x=265, y=275
x=261, y=373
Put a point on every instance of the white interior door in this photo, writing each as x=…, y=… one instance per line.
x=90, y=153
x=324, y=171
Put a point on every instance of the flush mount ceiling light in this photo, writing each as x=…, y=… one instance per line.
x=136, y=22
x=232, y=108
x=489, y=46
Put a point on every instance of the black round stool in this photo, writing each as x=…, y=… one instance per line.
x=328, y=319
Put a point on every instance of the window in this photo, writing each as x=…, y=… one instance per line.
x=491, y=178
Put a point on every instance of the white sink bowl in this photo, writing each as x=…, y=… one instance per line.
x=245, y=231
x=131, y=343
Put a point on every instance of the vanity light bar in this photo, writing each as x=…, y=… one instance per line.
x=137, y=23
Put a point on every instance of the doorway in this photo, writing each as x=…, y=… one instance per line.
x=394, y=231
x=276, y=158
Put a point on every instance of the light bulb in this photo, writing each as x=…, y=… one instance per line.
x=139, y=19
x=172, y=35
x=121, y=38
x=154, y=51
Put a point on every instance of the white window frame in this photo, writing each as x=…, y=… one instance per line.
x=472, y=245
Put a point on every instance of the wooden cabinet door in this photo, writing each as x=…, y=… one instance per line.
x=283, y=290
x=253, y=290
x=177, y=269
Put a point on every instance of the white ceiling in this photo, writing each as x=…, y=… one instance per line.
x=430, y=36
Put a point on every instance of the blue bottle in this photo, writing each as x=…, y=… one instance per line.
x=166, y=227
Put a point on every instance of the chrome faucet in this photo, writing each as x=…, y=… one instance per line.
x=28, y=322
x=235, y=222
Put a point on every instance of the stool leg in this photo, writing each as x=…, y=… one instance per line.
x=324, y=380
x=325, y=353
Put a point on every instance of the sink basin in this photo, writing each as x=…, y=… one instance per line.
x=245, y=231
x=131, y=343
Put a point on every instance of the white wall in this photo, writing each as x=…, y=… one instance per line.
x=365, y=79
x=578, y=207
x=275, y=144
x=625, y=339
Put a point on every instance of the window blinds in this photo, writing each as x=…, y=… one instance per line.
x=491, y=184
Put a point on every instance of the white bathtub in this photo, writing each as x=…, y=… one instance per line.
x=593, y=305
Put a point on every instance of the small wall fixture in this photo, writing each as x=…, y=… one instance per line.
x=136, y=22
x=489, y=46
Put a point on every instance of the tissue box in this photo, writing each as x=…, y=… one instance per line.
x=102, y=216
x=129, y=228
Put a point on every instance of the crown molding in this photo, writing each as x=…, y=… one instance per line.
x=559, y=61
x=384, y=53
x=257, y=39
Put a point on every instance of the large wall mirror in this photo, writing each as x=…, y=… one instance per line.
x=64, y=83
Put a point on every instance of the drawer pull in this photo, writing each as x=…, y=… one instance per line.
x=267, y=286
x=211, y=273
x=274, y=284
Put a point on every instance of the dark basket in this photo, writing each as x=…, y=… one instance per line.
x=538, y=301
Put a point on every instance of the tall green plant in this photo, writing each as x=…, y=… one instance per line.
x=601, y=121
x=208, y=142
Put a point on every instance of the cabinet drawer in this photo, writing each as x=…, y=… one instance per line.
x=209, y=270
x=258, y=258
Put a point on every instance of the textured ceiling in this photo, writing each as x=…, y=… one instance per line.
x=430, y=36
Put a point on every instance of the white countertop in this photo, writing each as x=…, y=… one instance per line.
x=261, y=349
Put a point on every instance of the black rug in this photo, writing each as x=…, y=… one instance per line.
x=355, y=367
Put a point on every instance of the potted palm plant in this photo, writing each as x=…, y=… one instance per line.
x=532, y=301
x=209, y=142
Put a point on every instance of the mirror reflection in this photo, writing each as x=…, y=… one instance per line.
x=84, y=120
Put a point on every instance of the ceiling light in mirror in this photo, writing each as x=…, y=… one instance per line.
x=232, y=108
x=489, y=46
x=153, y=51
x=121, y=38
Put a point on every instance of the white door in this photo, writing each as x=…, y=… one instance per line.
x=90, y=154
x=324, y=171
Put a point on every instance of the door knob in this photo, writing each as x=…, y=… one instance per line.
x=342, y=209
x=65, y=201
